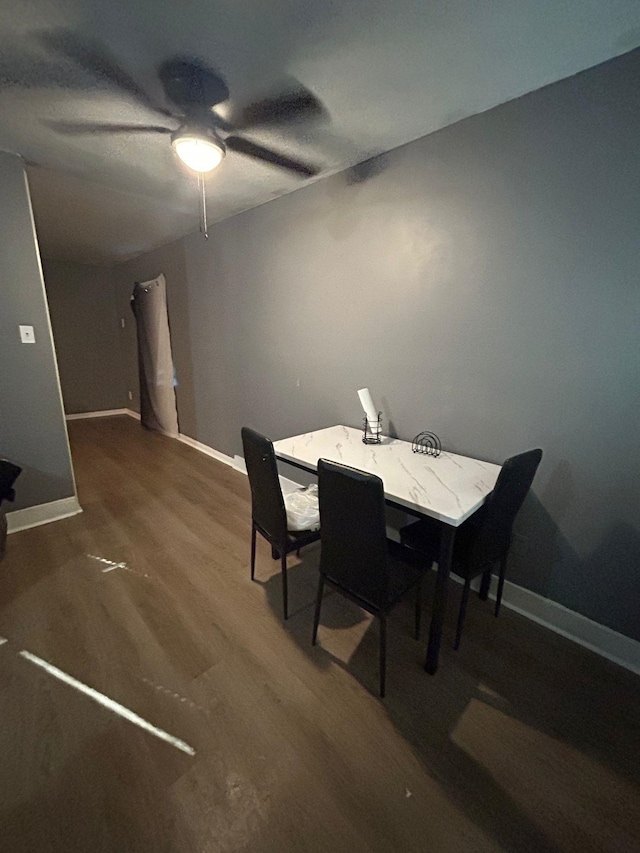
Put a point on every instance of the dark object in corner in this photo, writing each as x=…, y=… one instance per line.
x=9, y=473
x=367, y=169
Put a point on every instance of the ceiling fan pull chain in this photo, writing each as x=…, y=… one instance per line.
x=203, y=223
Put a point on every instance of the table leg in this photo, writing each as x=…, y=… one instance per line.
x=447, y=538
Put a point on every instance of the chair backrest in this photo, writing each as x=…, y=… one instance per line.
x=267, y=504
x=503, y=505
x=353, y=531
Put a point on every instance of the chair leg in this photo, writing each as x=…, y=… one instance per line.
x=418, y=608
x=383, y=655
x=253, y=551
x=461, y=614
x=275, y=555
x=285, y=596
x=316, y=618
x=503, y=571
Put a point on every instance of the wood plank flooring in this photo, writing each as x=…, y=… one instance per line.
x=523, y=741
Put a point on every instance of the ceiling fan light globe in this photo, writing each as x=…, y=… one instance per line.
x=198, y=153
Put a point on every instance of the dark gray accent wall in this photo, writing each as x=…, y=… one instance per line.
x=483, y=282
x=32, y=426
x=86, y=331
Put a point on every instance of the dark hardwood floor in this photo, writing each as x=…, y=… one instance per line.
x=523, y=741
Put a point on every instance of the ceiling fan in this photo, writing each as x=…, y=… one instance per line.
x=199, y=135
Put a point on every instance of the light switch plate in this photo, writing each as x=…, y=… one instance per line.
x=27, y=335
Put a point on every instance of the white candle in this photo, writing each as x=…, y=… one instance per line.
x=367, y=405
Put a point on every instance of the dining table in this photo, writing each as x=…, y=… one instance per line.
x=448, y=487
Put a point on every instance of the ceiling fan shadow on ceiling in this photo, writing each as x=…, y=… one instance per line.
x=199, y=135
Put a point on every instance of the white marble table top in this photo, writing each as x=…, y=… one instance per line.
x=448, y=487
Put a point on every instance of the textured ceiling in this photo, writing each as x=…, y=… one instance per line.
x=387, y=73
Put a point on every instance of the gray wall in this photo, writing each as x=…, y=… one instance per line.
x=86, y=331
x=483, y=282
x=32, y=426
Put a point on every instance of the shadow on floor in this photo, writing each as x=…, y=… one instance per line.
x=507, y=723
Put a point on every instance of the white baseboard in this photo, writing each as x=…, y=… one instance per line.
x=33, y=516
x=208, y=451
x=236, y=462
x=239, y=464
x=104, y=413
x=574, y=626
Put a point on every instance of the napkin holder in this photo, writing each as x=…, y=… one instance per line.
x=427, y=443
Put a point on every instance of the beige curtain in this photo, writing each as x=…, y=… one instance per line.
x=155, y=362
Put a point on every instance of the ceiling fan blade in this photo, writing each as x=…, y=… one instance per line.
x=31, y=71
x=297, y=105
x=258, y=152
x=76, y=128
x=93, y=57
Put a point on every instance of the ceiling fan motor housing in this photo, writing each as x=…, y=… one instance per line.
x=192, y=85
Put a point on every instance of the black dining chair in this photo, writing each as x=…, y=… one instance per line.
x=268, y=513
x=484, y=539
x=356, y=558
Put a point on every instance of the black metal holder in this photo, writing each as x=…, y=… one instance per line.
x=372, y=433
x=427, y=443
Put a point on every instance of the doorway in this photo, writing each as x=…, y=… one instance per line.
x=158, y=409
